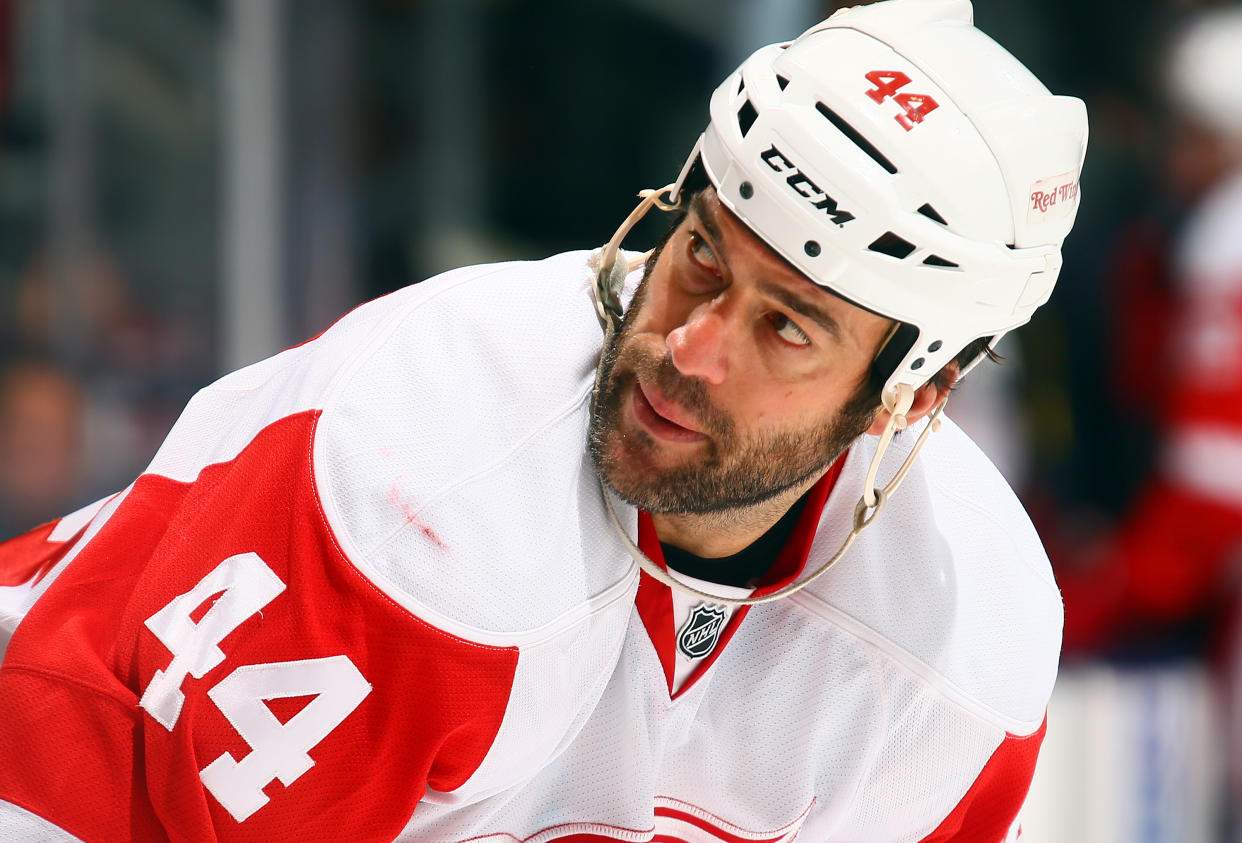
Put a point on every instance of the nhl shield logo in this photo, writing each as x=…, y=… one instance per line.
x=701, y=630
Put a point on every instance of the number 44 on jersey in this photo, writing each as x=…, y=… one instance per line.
x=245, y=585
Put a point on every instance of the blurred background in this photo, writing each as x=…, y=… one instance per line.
x=187, y=186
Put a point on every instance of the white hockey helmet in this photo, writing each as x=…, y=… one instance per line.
x=904, y=160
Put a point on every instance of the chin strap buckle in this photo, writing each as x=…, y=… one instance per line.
x=872, y=497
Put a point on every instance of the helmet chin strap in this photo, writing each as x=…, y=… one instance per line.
x=610, y=274
x=606, y=293
x=898, y=405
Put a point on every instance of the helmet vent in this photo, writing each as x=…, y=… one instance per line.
x=783, y=82
x=892, y=245
x=746, y=116
x=936, y=260
x=858, y=140
x=930, y=212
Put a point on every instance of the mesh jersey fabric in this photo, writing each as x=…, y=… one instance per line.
x=422, y=466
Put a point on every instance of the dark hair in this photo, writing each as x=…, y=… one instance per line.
x=899, y=345
x=947, y=379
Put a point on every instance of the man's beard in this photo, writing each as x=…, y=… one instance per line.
x=734, y=471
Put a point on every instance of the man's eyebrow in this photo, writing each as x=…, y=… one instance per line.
x=821, y=317
x=797, y=304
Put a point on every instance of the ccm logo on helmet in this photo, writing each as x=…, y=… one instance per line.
x=820, y=200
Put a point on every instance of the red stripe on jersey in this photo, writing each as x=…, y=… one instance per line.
x=792, y=559
x=76, y=749
x=572, y=836
x=598, y=838
x=714, y=830
x=990, y=807
x=654, y=602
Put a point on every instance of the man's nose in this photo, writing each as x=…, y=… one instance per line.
x=699, y=348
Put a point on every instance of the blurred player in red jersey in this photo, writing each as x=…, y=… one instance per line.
x=1170, y=562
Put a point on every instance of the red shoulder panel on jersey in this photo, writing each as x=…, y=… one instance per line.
x=324, y=708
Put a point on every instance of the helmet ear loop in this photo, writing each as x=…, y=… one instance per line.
x=611, y=272
x=898, y=404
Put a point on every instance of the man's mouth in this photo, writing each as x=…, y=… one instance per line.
x=663, y=418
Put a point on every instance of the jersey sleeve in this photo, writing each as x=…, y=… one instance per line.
x=198, y=659
x=943, y=773
x=989, y=809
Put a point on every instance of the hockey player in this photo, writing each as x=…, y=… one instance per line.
x=379, y=586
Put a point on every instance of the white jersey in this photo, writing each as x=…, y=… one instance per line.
x=368, y=590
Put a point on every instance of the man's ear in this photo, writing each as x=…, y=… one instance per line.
x=926, y=398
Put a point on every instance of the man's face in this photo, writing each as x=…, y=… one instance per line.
x=731, y=377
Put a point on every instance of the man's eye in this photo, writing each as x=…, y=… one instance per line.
x=701, y=252
x=788, y=331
